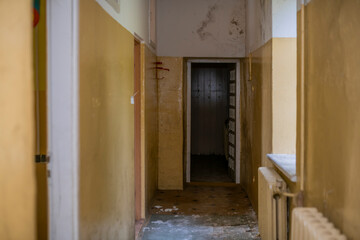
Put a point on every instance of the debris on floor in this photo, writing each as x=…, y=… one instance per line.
x=201, y=212
x=180, y=227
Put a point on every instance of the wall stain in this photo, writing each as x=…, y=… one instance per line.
x=235, y=28
x=234, y=22
x=210, y=17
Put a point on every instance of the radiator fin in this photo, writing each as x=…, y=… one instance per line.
x=310, y=224
x=268, y=180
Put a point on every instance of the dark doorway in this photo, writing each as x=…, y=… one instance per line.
x=210, y=85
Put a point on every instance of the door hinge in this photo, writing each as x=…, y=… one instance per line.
x=41, y=158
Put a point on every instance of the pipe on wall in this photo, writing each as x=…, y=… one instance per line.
x=302, y=99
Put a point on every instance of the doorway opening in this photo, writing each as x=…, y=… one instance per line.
x=212, y=128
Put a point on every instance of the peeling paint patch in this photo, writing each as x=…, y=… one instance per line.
x=210, y=18
x=236, y=27
x=234, y=22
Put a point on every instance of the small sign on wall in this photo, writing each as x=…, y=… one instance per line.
x=115, y=4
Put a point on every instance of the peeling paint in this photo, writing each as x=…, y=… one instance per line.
x=236, y=27
x=210, y=17
x=201, y=28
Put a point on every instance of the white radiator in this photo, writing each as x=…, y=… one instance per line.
x=272, y=212
x=309, y=224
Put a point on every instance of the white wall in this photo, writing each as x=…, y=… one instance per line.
x=258, y=24
x=284, y=18
x=201, y=28
x=268, y=19
x=133, y=15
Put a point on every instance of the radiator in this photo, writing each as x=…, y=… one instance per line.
x=272, y=212
x=309, y=224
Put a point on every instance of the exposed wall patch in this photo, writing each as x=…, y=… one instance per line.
x=236, y=27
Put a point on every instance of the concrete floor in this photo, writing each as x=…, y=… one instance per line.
x=201, y=212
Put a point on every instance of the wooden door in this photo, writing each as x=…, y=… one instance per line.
x=137, y=130
x=209, y=101
x=40, y=82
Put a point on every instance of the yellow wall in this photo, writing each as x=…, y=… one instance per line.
x=149, y=108
x=106, y=61
x=284, y=95
x=268, y=104
x=17, y=169
x=170, y=173
x=256, y=118
x=332, y=116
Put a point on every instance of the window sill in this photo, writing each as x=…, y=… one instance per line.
x=286, y=163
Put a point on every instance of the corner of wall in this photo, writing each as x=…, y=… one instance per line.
x=170, y=123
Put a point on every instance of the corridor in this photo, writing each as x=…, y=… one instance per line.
x=201, y=211
x=209, y=169
x=179, y=119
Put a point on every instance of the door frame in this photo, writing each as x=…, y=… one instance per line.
x=188, y=114
x=63, y=118
x=137, y=131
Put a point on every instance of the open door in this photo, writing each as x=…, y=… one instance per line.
x=40, y=82
x=137, y=130
x=209, y=118
x=213, y=120
x=231, y=125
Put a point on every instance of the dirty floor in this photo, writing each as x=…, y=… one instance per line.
x=209, y=168
x=220, y=211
